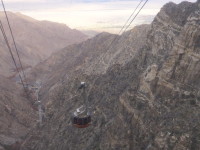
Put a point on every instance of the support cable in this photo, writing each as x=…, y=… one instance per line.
x=135, y=15
x=131, y=22
x=13, y=40
x=9, y=48
x=128, y=21
x=111, y=43
x=130, y=17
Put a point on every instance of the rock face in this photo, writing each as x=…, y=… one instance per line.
x=93, y=56
x=152, y=102
x=16, y=114
x=35, y=40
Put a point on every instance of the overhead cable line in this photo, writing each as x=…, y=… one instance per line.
x=9, y=48
x=131, y=20
x=111, y=43
x=136, y=15
x=127, y=22
x=130, y=17
x=13, y=39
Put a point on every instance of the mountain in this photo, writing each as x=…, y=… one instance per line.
x=90, y=33
x=17, y=115
x=35, y=40
x=152, y=102
x=93, y=56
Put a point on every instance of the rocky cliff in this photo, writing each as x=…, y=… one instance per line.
x=35, y=40
x=151, y=103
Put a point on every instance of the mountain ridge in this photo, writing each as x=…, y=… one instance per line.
x=35, y=40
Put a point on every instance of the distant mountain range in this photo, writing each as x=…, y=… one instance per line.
x=90, y=33
x=35, y=40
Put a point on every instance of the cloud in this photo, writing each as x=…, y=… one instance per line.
x=101, y=15
x=27, y=1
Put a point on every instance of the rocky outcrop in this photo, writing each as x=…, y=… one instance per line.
x=152, y=102
x=35, y=40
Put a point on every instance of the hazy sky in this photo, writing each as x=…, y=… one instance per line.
x=101, y=15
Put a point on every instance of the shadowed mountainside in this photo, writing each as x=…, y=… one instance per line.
x=17, y=115
x=89, y=57
x=152, y=102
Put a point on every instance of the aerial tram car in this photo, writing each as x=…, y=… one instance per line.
x=81, y=118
